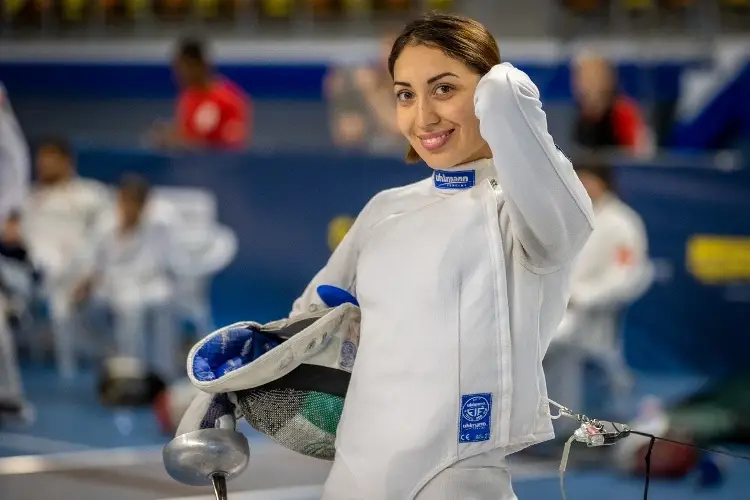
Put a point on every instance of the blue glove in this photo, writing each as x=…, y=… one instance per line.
x=334, y=296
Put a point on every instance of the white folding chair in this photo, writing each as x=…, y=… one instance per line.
x=207, y=248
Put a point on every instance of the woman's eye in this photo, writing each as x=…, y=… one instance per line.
x=404, y=95
x=443, y=89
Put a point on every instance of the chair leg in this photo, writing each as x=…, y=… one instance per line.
x=64, y=333
x=167, y=362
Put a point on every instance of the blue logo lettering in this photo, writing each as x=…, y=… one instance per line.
x=454, y=180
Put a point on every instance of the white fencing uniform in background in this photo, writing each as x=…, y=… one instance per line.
x=612, y=271
x=59, y=222
x=15, y=283
x=462, y=282
x=11, y=388
x=135, y=280
x=14, y=184
x=206, y=248
x=14, y=160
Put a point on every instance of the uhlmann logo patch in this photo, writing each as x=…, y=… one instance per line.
x=454, y=180
x=476, y=418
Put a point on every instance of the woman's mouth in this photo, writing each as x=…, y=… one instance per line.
x=435, y=140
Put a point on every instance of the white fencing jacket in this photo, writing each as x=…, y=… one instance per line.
x=462, y=279
x=612, y=271
x=136, y=269
x=15, y=163
x=59, y=223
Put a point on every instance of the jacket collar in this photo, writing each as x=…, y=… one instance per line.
x=462, y=177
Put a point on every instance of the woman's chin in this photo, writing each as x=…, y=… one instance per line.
x=440, y=160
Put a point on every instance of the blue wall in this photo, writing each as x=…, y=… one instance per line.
x=280, y=206
x=647, y=81
x=723, y=121
x=651, y=83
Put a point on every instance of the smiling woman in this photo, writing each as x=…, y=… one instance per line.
x=461, y=278
x=457, y=282
x=435, y=107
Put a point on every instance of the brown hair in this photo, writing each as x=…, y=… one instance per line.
x=458, y=37
x=59, y=145
x=135, y=188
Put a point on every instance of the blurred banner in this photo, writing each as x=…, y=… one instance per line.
x=283, y=206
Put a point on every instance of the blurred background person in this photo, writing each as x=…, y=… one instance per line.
x=212, y=111
x=606, y=119
x=133, y=256
x=17, y=271
x=59, y=221
x=15, y=162
x=361, y=105
x=612, y=271
x=17, y=278
x=14, y=183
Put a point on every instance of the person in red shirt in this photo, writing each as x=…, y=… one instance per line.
x=212, y=111
x=606, y=118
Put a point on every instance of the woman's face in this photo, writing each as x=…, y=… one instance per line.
x=435, y=107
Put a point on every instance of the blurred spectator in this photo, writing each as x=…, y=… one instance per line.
x=612, y=271
x=212, y=111
x=362, y=106
x=606, y=118
x=11, y=238
x=14, y=159
x=131, y=276
x=17, y=272
x=16, y=277
x=58, y=223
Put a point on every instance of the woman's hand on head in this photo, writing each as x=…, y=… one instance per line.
x=507, y=83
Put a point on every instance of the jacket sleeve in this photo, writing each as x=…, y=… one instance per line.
x=550, y=212
x=14, y=161
x=341, y=268
x=628, y=272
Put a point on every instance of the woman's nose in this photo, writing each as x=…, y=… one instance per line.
x=426, y=114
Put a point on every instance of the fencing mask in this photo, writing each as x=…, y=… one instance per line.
x=287, y=378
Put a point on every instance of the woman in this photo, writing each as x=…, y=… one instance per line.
x=460, y=282
x=461, y=278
